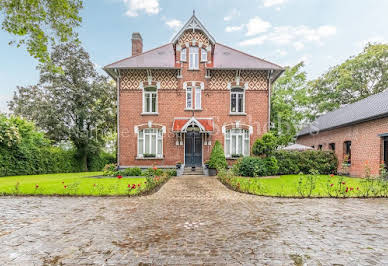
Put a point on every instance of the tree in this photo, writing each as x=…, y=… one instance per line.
x=265, y=145
x=76, y=104
x=289, y=103
x=217, y=157
x=39, y=24
x=357, y=78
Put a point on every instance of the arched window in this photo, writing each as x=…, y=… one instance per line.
x=150, y=100
x=150, y=143
x=236, y=142
x=183, y=54
x=203, y=55
x=237, y=100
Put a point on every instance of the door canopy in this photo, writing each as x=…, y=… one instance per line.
x=205, y=125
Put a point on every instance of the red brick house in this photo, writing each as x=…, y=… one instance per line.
x=357, y=133
x=176, y=100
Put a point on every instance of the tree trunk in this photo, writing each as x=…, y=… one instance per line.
x=83, y=157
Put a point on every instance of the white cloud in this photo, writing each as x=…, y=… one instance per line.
x=256, y=25
x=232, y=14
x=269, y=3
x=234, y=28
x=281, y=52
x=150, y=7
x=299, y=35
x=298, y=46
x=174, y=24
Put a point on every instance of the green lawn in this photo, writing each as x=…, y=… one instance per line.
x=323, y=186
x=69, y=184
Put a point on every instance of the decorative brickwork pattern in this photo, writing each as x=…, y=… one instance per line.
x=220, y=78
x=189, y=35
x=130, y=79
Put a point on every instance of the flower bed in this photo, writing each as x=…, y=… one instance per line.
x=307, y=186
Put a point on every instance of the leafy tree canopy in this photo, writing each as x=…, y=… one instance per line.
x=357, y=78
x=39, y=24
x=76, y=104
x=265, y=145
x=289, y=103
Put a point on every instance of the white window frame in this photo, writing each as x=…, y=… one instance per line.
x=237, y=93
x=183, y=55
x=236, y=133
x=141, y=136
x=189, y=91
x=194, y=58
x=203, y=55
x=150, y=93
x=198, y=100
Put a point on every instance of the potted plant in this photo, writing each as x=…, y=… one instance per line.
x=217, y=159
x=178, y=165
x=207, y=164
x=149, y=155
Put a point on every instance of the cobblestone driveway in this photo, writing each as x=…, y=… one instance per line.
x=193, y=220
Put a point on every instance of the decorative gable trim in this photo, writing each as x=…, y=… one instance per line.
x=193, y=24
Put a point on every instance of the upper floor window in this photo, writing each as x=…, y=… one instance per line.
x=348, y=152
x=198, y=93
x=189, y=98
x=203, y=55
x=183, y=54
x=150, y=143
x=150, y=100
x=193, y=58
x=237, y=100
x=236, y=143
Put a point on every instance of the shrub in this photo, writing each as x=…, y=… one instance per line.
x=96, y=162
x=293, y=162
x=265, y=145
x=217, y=157
x=109, y=169
x=152, y=172
x=131, y=172
x=256, y=166
x=171, y=172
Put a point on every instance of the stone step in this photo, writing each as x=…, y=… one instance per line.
x=189, y=171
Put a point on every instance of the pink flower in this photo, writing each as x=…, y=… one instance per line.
x=155, y=168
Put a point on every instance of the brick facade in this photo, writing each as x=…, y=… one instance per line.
x=367, y=147
x=172, y=102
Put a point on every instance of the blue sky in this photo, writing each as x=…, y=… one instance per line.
x=322, y=33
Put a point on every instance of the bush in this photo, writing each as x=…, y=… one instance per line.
x=131, y=172
x=266, y=145
x=109, y=169
x=256, y=166
x=294, y=162
x=171, y=172
x=217, y=157
x=96, y=162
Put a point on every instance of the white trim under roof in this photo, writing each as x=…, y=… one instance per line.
x=193, y=24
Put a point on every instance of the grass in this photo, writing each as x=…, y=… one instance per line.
x=299, y=186
x=75, y=184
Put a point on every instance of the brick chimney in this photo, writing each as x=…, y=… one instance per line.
x=137, y=43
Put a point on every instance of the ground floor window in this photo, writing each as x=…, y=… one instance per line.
x=236, y=143
x=150, y=143
x=386, y=151
x=348, y=151
x=332, y=146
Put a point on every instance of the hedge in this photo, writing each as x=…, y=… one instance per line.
x=294, y=162
x=256, y=166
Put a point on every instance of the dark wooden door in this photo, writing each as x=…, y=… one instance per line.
x=193, y=149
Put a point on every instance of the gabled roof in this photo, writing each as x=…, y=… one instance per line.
x=193, y=24
x=161, y=57
x=372, y=107
x=229, y=58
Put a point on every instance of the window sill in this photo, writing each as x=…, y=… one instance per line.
x=149, y=158
x=196, y=69
x=237, y=113
x=195, y=110
x=149, y=113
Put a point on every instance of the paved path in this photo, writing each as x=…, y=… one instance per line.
x=193, y=220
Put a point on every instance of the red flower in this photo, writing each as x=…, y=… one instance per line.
x=155, y=168
x=65, y=186
x=133, y=186
x=343, y=183
x=138, y=185
x=129, y=185
x=331, y=175
x=358, y=188
x=346, y=189
x=331, y=185
x=351, y=189
x=36, y=186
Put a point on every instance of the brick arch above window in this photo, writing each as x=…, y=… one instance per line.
x=150, y=125
x=237, y=125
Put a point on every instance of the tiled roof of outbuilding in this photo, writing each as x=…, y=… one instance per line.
x=372, y=107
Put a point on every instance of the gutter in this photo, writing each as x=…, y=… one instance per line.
x=118, y=118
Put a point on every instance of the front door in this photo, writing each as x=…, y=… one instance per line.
x=193, y=149
x=386, y=152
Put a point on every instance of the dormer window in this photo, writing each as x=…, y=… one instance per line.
x=203, y=55
x=193, y=58
x=183, y=55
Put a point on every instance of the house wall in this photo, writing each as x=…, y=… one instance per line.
x=367, y=146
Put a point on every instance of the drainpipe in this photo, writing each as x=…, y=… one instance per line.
x=118, y=118
x=269, y=99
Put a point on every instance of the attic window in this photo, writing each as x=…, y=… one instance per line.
x=193, y=58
